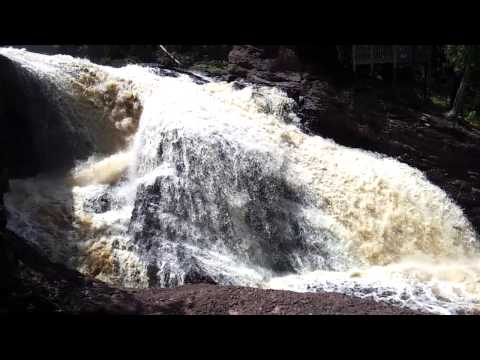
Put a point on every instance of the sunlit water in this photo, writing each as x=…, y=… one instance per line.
x=222, y=178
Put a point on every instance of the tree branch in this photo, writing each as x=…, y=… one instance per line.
x=170, y=55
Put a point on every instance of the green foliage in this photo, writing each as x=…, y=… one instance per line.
x=460, y=56
x=440, y=101
x=473, y=117
x=466, y=59
x=212, y=67
x=456, y=55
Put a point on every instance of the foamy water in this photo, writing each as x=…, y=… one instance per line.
x=223, y=178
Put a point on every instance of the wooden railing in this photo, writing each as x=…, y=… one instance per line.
x=366, y=54
x=384, y=54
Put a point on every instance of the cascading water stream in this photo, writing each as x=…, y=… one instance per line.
x=205, y=180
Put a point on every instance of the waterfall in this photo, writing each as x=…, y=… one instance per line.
x=201, y=179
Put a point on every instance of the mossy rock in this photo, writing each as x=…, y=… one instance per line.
x=212, y=67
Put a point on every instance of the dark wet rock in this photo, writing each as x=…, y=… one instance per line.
x=196, y=275
x=37, y=285
x=100, y=204
x=237, y=85
x=265, y=65
x=32, y=130
x=152, y=274
x=268, y=233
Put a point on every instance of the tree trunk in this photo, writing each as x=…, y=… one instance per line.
x=457, y=109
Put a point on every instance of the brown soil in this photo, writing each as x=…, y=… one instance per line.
x=203, y=299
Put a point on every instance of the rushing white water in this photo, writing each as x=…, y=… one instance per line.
x=222, y=180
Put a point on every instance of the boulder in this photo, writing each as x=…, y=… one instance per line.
x=196, y=275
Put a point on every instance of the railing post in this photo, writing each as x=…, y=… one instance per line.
x=354, y=62
x=394, y=50
x=413, y=61
x=354, y=58
x=371, y=60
